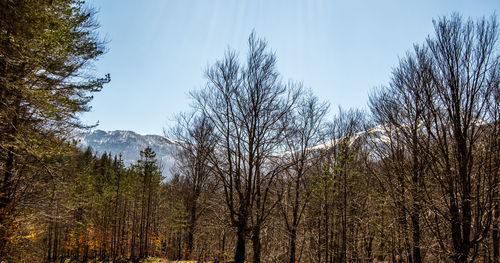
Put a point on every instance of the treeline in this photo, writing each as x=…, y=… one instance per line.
x=261, y=174
x=99, y=209
x=108, y=212
x=414, y=180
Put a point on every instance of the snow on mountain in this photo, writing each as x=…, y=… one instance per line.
x=374, y=135
x=129, y=144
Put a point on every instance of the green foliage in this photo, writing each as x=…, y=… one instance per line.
x=46, y=80
x=323, y=182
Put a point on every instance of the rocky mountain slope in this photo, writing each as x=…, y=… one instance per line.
x=129, y=144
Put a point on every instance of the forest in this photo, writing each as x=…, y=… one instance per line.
x=262, y=172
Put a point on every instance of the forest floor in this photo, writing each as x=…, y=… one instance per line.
x=161, y=260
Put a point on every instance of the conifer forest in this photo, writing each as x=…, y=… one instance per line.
x=263, y=172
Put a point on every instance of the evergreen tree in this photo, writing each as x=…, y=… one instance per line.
x=150, y=175
x=46, y=48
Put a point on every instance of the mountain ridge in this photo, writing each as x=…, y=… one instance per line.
x=129, y=144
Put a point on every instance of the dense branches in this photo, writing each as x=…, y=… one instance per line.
x=196, y=140
x=257, y=165
x=305, y=126
x=437, y=112
x=245, y=105
x=45, y=81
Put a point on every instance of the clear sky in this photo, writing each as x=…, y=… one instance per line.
x=158, y=50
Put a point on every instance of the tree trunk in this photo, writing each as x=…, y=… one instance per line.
x=293, y=245
x=344, y=218
x=192, y=223
x=416, y=237
x=6, y=200
x=148, y=219
x=494, y=233
x=256, y=244
x=49, y=243
x=56, y=241
x=133, y=254
x=239, y=255
x=327, y=221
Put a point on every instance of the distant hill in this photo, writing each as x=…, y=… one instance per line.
x=129, y=144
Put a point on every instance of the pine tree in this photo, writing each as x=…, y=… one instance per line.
x=150, y=179
x=46, y=48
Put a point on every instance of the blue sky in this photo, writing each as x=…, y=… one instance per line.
x=158, y=50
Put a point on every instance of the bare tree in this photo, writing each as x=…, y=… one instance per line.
x=333, y=200
x=492, y=164
x=195, y=136
x=346, y=132
x=245, y=105
x=400, y=112
x=464, y=74
x=305, y=131
x=434, y=113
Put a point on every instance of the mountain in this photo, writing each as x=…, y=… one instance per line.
x=129, y=144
